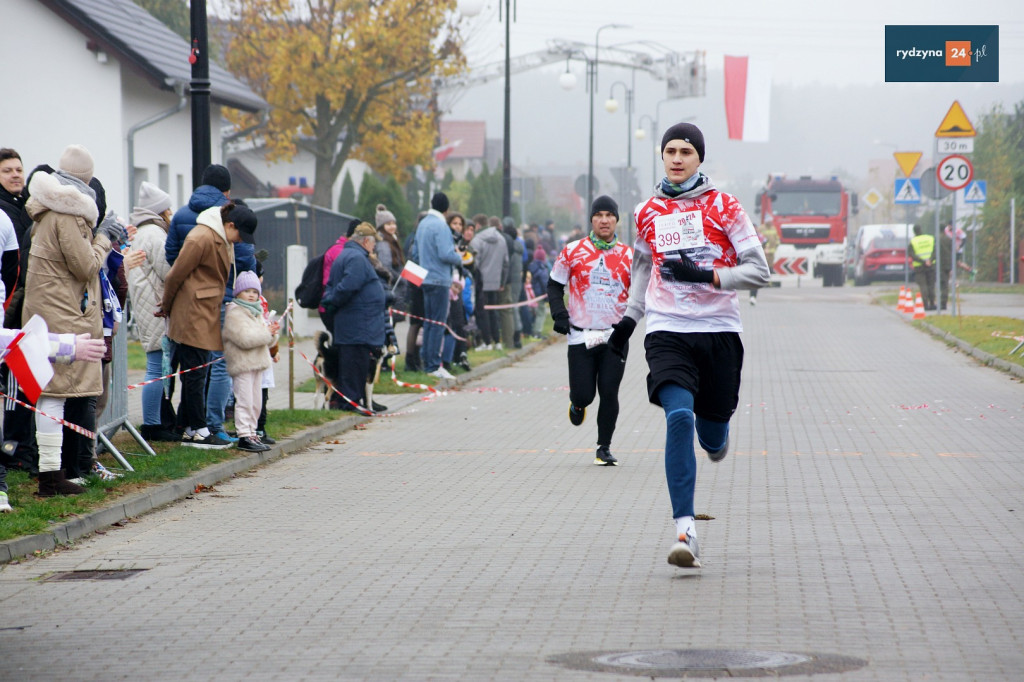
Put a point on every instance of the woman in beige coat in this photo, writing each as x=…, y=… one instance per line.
x=193, y=291
x=62, y=287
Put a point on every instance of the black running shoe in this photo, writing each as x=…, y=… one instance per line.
x=577, y=414
x=251, y=445
x=604, y=457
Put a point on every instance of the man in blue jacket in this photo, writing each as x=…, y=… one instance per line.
x=354, y=297
x=213, y=190
x=434, y=250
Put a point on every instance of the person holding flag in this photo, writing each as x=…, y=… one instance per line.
x=28, y=352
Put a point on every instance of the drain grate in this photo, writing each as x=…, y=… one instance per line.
x=707, y=662
x=111, y=574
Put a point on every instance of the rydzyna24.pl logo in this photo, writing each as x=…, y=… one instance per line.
x=936, y=54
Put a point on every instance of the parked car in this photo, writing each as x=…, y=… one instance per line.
x=885, y=258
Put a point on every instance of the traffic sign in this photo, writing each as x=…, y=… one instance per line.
x=930, y=186
x=907, y=191
x=955, y=172
x=975, y=192
x=907, y=161
x=955, y=123
x=871, y=198
x=796, y=265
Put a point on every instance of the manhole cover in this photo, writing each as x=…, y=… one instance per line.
x=113, y=574
x=707, y=662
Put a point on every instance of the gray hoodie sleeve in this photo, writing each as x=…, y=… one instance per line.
x=639, y=277
x=751, y=273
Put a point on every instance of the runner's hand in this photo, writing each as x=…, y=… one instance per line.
x=621, y=331
x=561, y=323
x=685, y=270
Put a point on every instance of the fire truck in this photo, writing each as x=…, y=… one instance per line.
x=810, y=216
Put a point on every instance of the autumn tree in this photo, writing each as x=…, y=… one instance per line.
x=346, y=78
x=999, y=159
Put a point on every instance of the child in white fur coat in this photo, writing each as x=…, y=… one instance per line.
x=247, y=341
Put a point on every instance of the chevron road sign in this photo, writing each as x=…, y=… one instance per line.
x=796, y=265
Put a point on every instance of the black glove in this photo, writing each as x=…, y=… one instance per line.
x=621, y=331
x=561, y=322
x=685, y=270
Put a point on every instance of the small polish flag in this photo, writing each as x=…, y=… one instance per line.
x=27, y=357
x=444, y=151
x=414, y=273
x=748, y=96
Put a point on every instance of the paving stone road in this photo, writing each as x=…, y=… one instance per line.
x=871, y=508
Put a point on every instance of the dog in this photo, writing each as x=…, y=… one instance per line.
x=324, y=364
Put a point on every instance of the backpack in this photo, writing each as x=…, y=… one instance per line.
x=311, y=288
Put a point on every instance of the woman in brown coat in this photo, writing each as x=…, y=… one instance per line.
x=192, y=295
x=62, y=287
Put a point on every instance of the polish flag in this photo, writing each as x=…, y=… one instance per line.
x=444, y=151
x=748, y=95
x=27, y=357
x=414, y=273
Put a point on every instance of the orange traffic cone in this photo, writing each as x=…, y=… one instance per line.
x=919, y=308
x=902, y=305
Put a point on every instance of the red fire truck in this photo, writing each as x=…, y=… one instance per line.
x=810, y=216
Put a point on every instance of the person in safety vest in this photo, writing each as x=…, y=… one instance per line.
x=922, y=257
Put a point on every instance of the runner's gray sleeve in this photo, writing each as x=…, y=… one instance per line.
x=751, y=273
x=639, y=277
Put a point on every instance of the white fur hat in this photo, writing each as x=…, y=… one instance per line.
x=153, y=198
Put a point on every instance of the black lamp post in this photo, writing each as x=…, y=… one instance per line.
x=506, y=154
x=200, y=89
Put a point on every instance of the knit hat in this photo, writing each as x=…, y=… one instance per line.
x=152, y=198
x=384, y=216
x=77, y=161
x=604, y=203
x=687, y=132
x=218, y=176
x=245, y=222
x=439, y=202
x=247, y=279
x=540, y=254
x=364, y=230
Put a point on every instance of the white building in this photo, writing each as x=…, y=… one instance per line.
x=92, y=72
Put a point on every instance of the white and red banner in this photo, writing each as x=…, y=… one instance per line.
x=748, y=96
x=27, y=357
x=444, y=151
x=414, y=273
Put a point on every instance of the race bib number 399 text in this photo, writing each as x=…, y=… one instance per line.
x=678, y=231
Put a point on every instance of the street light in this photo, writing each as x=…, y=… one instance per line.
x=199, y=87
x=641, y=134
x=611, y=106
x=592, y=69
x=471, y=8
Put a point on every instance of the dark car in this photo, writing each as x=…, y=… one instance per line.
x=884, y=258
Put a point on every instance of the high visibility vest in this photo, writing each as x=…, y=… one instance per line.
x=923, y=245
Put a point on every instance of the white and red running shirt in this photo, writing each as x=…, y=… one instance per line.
x=712, y=229
x=598, y=283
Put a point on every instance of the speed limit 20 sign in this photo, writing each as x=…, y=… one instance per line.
x=955, y=172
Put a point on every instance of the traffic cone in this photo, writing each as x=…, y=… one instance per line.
x=902, y=305
x=919, y=308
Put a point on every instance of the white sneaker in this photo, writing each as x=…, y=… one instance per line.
x=498, y=346
x=685, y=553
x=5, y=506
x=483, y=347
x=442, y=373
x=79, y=481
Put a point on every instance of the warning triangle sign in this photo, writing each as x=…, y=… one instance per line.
x=956, y=123
x=907, y=161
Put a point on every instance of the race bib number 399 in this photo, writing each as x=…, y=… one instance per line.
x=678, y=231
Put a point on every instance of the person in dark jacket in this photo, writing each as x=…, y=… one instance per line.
x=214, y=190
x=355, y=298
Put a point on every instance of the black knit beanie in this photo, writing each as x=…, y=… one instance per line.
x=687, y=132
x=217, y=176
x=439, y=202
x=604, y=203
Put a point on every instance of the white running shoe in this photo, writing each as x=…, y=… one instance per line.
x=685, y=553
x=5, y=506
x=442, y=373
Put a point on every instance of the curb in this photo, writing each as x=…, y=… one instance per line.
x=163, y=494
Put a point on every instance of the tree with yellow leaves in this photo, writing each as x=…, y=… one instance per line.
x=345, y=78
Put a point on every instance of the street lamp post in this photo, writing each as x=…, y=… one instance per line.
x=506, y=161
x=641, y=134
x=592, y=75
x=200, y=92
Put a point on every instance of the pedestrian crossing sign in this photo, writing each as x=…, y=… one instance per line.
x=975, y=192
x=907, y=191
